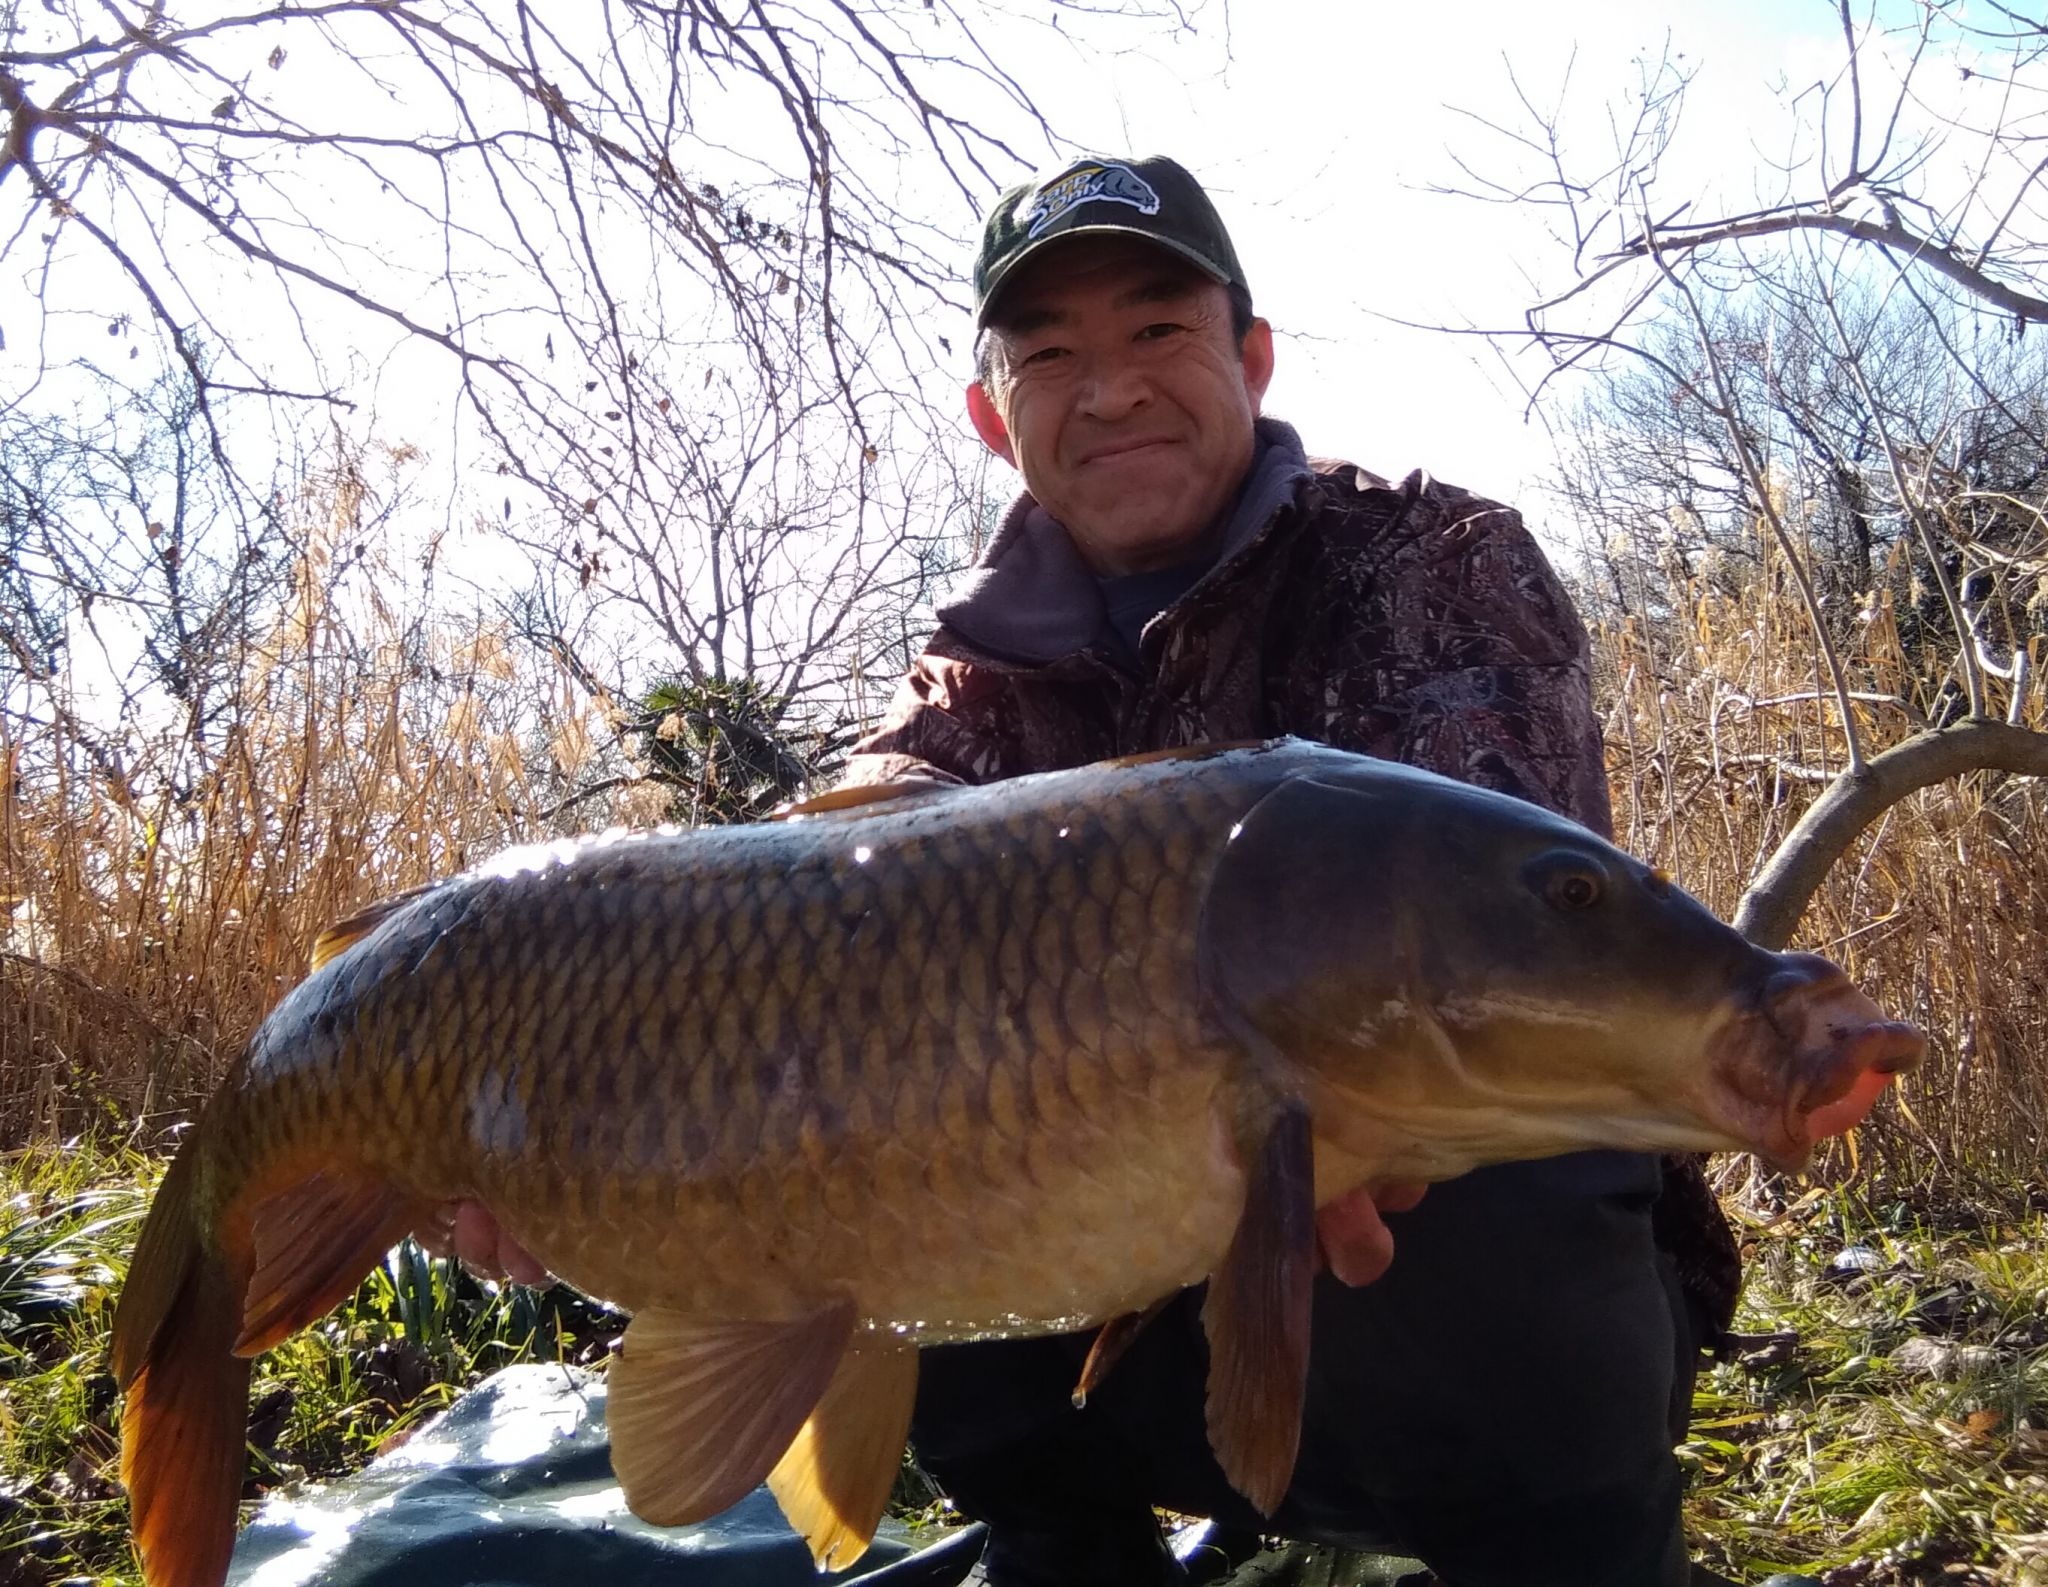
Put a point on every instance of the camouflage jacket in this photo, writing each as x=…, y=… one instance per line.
x=1414, y=622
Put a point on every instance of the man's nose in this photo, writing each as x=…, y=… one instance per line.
x=1111, y=389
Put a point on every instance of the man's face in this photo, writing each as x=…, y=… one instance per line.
x=1120, y=394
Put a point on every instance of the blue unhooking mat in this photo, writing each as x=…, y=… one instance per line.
x=512, y=1487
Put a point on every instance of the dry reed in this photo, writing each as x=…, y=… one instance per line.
x=1721, y=729
x=153, y=907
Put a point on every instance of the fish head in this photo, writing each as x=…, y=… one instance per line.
x=1459, y=977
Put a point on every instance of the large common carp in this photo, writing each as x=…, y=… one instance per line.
x=803, y=1096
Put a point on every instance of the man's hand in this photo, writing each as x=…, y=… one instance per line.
x=467, y=1230
x=1351, y=1240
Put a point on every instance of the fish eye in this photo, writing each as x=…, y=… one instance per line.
x=1567, y=882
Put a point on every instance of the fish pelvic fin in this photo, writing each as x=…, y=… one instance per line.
x=1257, y=1317
x=834, y=1481
x=314, y=1243
x=1111, y=1341
x=700, y=1412
x=184, y=1422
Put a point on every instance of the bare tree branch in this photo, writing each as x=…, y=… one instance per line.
x=1770, y=910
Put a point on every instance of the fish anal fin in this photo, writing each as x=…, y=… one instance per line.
x=344, y=934
x=858, y=798
x=700, y=1412
x=1111, y=1341
x=834, y=1481
x=1257, y=1317
x=314, y=1243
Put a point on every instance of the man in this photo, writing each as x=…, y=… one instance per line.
x=1504, y=1400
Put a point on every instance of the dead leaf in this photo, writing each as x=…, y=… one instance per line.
x=277, y=57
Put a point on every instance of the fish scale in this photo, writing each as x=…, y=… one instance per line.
x=942, y=1081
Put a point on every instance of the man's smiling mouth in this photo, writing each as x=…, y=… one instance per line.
x=1116, y=450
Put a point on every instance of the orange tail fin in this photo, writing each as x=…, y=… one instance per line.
x=184, y=1427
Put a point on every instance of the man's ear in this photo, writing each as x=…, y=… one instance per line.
x=988, y=423
x=1258, y=362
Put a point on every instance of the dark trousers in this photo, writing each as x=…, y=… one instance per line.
x=1502, y=1404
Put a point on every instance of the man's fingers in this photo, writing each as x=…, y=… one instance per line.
x=437, y=1236
x=467, y=1231
x=476, y=1239
x=1350, y=1236
x=519, y=1263
x=1399, y=1195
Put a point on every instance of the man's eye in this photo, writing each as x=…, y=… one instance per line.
x=1164, y=328
x=1044, y=355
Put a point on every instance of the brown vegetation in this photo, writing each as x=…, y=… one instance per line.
x=1722, y=729
x=161, y=887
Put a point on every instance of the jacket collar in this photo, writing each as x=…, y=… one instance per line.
x=1033, y=599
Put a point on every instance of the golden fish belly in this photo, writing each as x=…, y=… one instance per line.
x=942, y=1239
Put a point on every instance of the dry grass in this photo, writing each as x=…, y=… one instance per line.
x=1721, y=731
x=160, y=885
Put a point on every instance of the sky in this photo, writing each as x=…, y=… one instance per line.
x=1321, y=136
x=1320, y=129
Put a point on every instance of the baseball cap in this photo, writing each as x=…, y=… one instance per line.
x=1155, y=199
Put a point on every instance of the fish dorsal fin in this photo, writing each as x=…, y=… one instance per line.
x=314, y=1244
x=833, y=1483
x=344, y=934
x=861, y=797
x=1146, y=757
x=700, y=1412
x=1257, y=1317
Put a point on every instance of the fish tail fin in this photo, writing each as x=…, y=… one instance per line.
x=184, y=1425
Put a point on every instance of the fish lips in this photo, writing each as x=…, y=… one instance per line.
x=1836, y=1052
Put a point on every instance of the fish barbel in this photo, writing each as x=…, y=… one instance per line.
x=922, y=1067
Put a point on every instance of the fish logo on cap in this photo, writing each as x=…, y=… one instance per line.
x=1087, y=184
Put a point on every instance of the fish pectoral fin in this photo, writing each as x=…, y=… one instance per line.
x=700, y=1411
x=1257, y=1317
x=314, y=1243
x=834, y=1481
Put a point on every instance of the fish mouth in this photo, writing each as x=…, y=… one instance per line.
x=1833, y=1050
